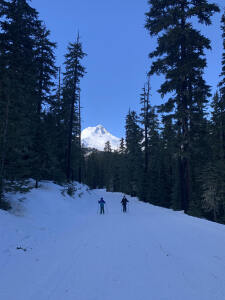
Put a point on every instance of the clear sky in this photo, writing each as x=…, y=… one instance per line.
x=117, y=45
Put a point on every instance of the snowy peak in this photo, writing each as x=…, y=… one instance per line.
x=96, y=137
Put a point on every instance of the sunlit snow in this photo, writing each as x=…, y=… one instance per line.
x=96, y=137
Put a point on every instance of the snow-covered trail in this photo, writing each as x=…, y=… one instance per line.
x=149, y=253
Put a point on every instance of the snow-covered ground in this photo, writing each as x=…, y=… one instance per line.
x=71, y=252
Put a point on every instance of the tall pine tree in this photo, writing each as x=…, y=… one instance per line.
x=180, y=57
x=18, y=78
x=45, y=61
x=71, y=89
x=134, y=159
x=144, y=116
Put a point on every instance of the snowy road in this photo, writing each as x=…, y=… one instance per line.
x=73, y=253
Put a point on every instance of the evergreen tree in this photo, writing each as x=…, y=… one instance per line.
x=45, y=61
x=222, y=82
x=107, y=147
x=145, y=114
x=145, y=102
x=80, y=151
x=95, y=175
x=151, y=148
x=134, y=159
x=153, y=171
x=181, y=58
x=108, y=165
x=168, y=162
x=120, y=173
x=122, y=148
x=213, y=174
x=213, y=186
x=56, y=133
x=116, y=178
x=218, y=105
x=199, y=147
x=18, y=78
x=74, y=72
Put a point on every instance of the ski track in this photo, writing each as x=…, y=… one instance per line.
x=73, y=253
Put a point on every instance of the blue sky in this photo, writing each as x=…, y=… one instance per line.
x=117, y=45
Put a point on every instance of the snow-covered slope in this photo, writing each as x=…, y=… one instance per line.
x=96, y=137
x=60, y=248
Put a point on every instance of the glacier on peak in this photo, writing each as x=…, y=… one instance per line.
x=96, y=137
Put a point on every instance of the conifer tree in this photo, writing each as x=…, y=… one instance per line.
x=153, y=172
x=56, y=133
x=144, y=117
x=74, y=72
x=45, y=61
x=18, y=24
x=219, y=102
x=213, y=174
x=80, y=150
x=122, y=148
x=94, y=175
x=168, y=162
x=134, y=159
x=108, y=166
x=222, y=82
x=122, y=166
x=145, y=109
x=180, y=57
x=213, y=187
x=107, y=147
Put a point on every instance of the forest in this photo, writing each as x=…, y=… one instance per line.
x=173, y=154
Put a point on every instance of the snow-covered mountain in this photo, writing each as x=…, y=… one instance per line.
x=96, y=137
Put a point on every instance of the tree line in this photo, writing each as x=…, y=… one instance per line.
x=40, y=120
x=173, y=154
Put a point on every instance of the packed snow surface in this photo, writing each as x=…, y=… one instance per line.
x=96, y=137
x=53, y=247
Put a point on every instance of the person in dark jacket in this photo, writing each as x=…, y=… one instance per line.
x=102, y=206
x=124, y=202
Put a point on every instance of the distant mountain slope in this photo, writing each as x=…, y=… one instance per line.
x=96, y=137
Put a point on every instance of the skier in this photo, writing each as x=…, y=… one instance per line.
x=124, y=202
x=102, y=206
